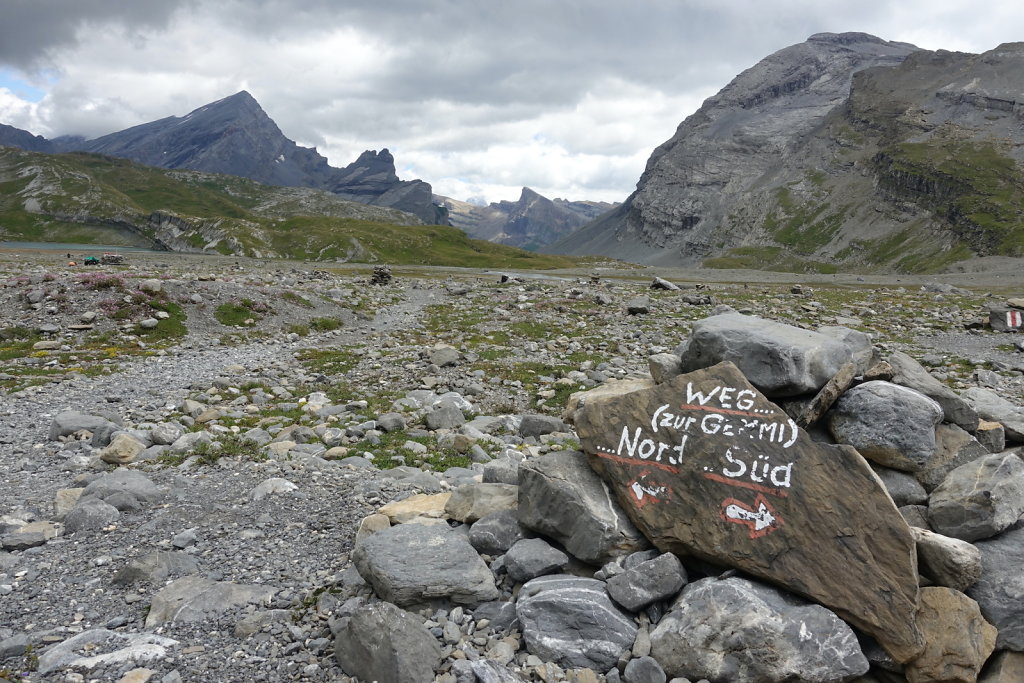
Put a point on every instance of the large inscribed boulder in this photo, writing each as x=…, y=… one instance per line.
x=705, y=465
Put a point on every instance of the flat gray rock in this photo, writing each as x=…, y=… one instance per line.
x=156, y=567
x=538, y=425
x=779, y=359
x=903, y=488
x=858, y=342
x=381, y=642
x=413, y=565
x=889, y=424
x=470, y=502
x=446, y=415
x=1000, y=589
x=194, y=598
x=571, y=621
x=106, y=648
x=744, y=632
x=980, y=499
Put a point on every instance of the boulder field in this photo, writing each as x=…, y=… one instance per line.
x=740, y=498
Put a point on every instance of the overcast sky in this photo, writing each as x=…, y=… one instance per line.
x=477, y=97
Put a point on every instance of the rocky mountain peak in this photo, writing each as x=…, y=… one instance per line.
x=235, y=136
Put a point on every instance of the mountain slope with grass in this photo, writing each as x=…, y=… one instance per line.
x=846, y=152
x=90, y=198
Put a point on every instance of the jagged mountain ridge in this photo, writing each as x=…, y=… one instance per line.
x=236, y=137
x=531, y=222
x=843, y=151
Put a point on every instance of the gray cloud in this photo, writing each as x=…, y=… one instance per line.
x=567, y=93
x=31, y=28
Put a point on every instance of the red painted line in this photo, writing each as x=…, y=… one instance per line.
x=713, y=409
x=637, y=463
x=746, y=485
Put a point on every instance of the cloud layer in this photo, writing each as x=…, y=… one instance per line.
x=568, y=97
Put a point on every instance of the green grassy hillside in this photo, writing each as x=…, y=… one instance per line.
x=87, y=198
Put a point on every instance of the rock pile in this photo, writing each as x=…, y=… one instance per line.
x=212, y=509
x=701, y=533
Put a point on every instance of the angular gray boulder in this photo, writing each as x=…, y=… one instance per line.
x=994, y=407
x=779, y=359
x=90, y=514
x=947, y=561
x=124, y=481
x=380, y=642
x=412, y=565
x=495, y=533
x=71, y=421
x=561, y=497
x=739, y=631
x=980, y=499
x=909, y=373
x=953, y=447
x=571, y=621
x=1000, y=589
x=858, y=342
x=533, y=557
x=888, y=424
x=648, y=582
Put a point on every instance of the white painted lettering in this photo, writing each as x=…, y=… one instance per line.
x=725, y=397
x=661, y=448
x=646, y=449
x=745, y=403
x=782, y=475
x=697, y=396
x=657, y=413
x=712, y=423
x=741, y=465
x=625, y=443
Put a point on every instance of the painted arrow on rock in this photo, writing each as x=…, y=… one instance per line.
x=761, y=518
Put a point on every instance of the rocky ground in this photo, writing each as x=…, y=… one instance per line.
x=273, y=406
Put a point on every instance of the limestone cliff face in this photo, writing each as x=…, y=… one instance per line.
x=841, y=151
x=531, y=222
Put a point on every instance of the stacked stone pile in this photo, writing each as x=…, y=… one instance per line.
x=864, y=526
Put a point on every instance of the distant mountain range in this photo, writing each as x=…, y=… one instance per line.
x=532, y=222
x=843, y=152
x=236, y=137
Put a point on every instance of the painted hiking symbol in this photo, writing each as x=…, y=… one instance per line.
x=644, y=493
x=760, y=517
